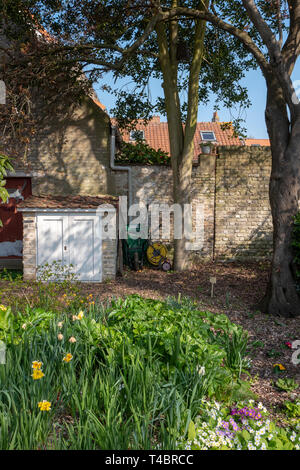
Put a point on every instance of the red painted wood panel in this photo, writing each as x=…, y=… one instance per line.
x=12, y=220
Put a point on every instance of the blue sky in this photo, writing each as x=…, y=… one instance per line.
x=254, y=116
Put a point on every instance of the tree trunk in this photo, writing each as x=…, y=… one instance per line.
x=281, y=297
x=182, y=196
x=181, y=143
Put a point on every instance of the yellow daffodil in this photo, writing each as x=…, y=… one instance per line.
x=280, y=366
x=68, y=357
x=37, y=365
x=80, y=315
x=3, y=308
x=44, y=405
x=37, y=374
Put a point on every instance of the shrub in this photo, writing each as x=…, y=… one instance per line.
x=141, y=153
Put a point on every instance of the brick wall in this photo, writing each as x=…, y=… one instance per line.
x=243, y=215
x=153, y=184
x=233, y=188
x=71, y=155
x=29, y=246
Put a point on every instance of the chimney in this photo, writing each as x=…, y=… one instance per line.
x=155, y=119
x=215, y=117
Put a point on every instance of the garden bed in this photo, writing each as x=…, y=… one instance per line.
x=238, y=288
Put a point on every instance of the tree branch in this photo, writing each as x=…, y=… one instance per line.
x=243, y=36
x=291, y=48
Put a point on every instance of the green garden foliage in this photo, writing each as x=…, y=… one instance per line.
x=246, y=426
x=132, y=374
x=286, y=384
x=141, y=153
x=5, y=166
x=292, y=409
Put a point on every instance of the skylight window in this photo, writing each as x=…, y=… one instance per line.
x=137, y=135
x=208, y=136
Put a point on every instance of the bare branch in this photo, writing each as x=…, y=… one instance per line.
x=243, y=36
x=277, y=60
x=291, y=48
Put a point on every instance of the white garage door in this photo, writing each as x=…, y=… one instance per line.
x=71, y=239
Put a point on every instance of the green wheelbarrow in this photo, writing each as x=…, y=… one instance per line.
x=134, y=249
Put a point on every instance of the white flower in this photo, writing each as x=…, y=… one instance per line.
x=257, y=439
x=201, y=370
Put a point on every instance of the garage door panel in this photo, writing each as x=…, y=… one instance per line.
x=72, y=239
x=52, y=231
x=85, y=247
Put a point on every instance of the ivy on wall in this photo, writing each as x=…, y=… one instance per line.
x=141, y=153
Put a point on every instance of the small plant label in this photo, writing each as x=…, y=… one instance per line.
x=213, y=281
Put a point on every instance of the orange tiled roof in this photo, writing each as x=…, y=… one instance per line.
x=262, y=142
x=69, y=202
x=157, y=134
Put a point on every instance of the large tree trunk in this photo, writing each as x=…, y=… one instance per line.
x=281, y=298
x=182, y=182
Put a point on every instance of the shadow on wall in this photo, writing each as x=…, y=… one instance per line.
x=71, y=152
x=234, y=190
x=243, y=221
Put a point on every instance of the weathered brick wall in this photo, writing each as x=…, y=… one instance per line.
x=29, y=246
x=71, y=155
x=153, y=184
x=243, y=216
x=109, y=259
x=234, y=190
